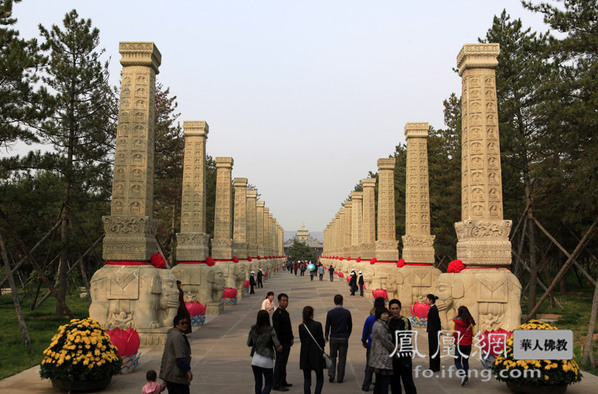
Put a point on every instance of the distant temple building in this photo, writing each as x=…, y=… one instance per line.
x=303, y=236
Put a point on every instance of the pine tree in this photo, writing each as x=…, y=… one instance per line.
x=82, y=128
x=168, y=167
x=22, y=106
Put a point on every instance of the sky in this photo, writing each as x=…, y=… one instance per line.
x=305, y=95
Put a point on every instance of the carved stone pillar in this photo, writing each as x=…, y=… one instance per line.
x=368, y=247
x=260, y=227
x=222, y=244
x=491, y=294
x=386, y=245
x=356, y=223
x=417, y=241
x=348, y=229
x=192, y=241
x=240, y=221
x=483, y=234
x=130, y=228
x=251, y=223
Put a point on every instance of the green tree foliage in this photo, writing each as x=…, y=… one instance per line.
x=22, y=105
x=168, y=167
x=569, y=112
x=444, y=166
x=82, y=128
x=210, y=194
x=301, y=251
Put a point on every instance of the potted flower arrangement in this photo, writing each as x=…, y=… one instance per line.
x=127, y=345
x=556, y=374
x=419, y=314
x=80, y=357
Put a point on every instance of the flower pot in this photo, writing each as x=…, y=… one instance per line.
x=529, y=388
x=67, y=385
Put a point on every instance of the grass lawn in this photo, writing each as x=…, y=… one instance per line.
x=577, y=304
x=41, y=324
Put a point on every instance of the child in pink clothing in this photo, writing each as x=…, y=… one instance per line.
x=152, y=387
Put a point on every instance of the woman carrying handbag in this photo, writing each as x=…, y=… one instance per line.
x=311, y=355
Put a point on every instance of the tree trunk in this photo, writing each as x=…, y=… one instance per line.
x=532, y=254
x=588, y=350
x=15, y=298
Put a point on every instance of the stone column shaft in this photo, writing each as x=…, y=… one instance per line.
x=130, y=229
x=481, y=187
x=386, y=245
x=356, y=223
x=417, y=241
x=369, y=219
x=222, y=244
x=260, y=227
x=240, y=218
x=252, y=223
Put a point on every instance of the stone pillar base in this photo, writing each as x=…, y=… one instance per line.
x=153, y=337
x=484, y=242
x=414, y=284
x=214, y=308
x=418, y=249
x=387, y=250
x=368, y=251
x=240, y=250
x=491, y=295
x=222, y=249
x=130, y=238
x=192, y=246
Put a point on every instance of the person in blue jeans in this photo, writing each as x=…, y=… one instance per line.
x=464, y=324
x=338, y=329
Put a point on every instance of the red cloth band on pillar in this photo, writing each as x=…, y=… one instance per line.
x=112, y=262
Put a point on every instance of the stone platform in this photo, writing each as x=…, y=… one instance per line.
x=221, y=362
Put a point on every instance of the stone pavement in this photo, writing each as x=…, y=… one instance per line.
x=221, y=362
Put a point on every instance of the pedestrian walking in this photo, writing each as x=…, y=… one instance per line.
x=182, y=307
x=263, y=340
x=353, y=283
x=433, y=328
x=338, y=329
x=281, y=320
x=312, y=273
x=382, y=347
x=331, y=272
x=402, y=365
x=152, y=387
x=321, y=271
x=268, y=303
x=302, y=267
x=361, y=283
x=295, y=267
x=366, y=342
x=260, y=278
x=312, y=349
x=464, y=324
x=175, y=367
x=252, y=283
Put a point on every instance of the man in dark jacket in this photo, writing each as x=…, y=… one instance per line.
x=432, y=329
x=175, y=368
x=281, y=320
x=353, y=283
x=361, y=283
x=331, y=272
x=260, y=278
x=310, y=356
x=401, y=363
x=338, y=329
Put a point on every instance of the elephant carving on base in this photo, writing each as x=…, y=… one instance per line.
x=493, y=296
x=126, y=296
x=201, y=282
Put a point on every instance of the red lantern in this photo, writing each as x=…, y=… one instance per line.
x=373, y=261
x=359, y=259
x=195, y=308
x=246, y=285
x=157, y=260
x=229, y=292
x=235, y=259
x=420, y=309
x=126, y=341
x=380, y=293
x=401, y=263
x=210, y=261
x=341, y=275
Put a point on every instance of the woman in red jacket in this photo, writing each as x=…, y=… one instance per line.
x=464, y=324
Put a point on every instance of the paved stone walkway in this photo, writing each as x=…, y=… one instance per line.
x=221, y=362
